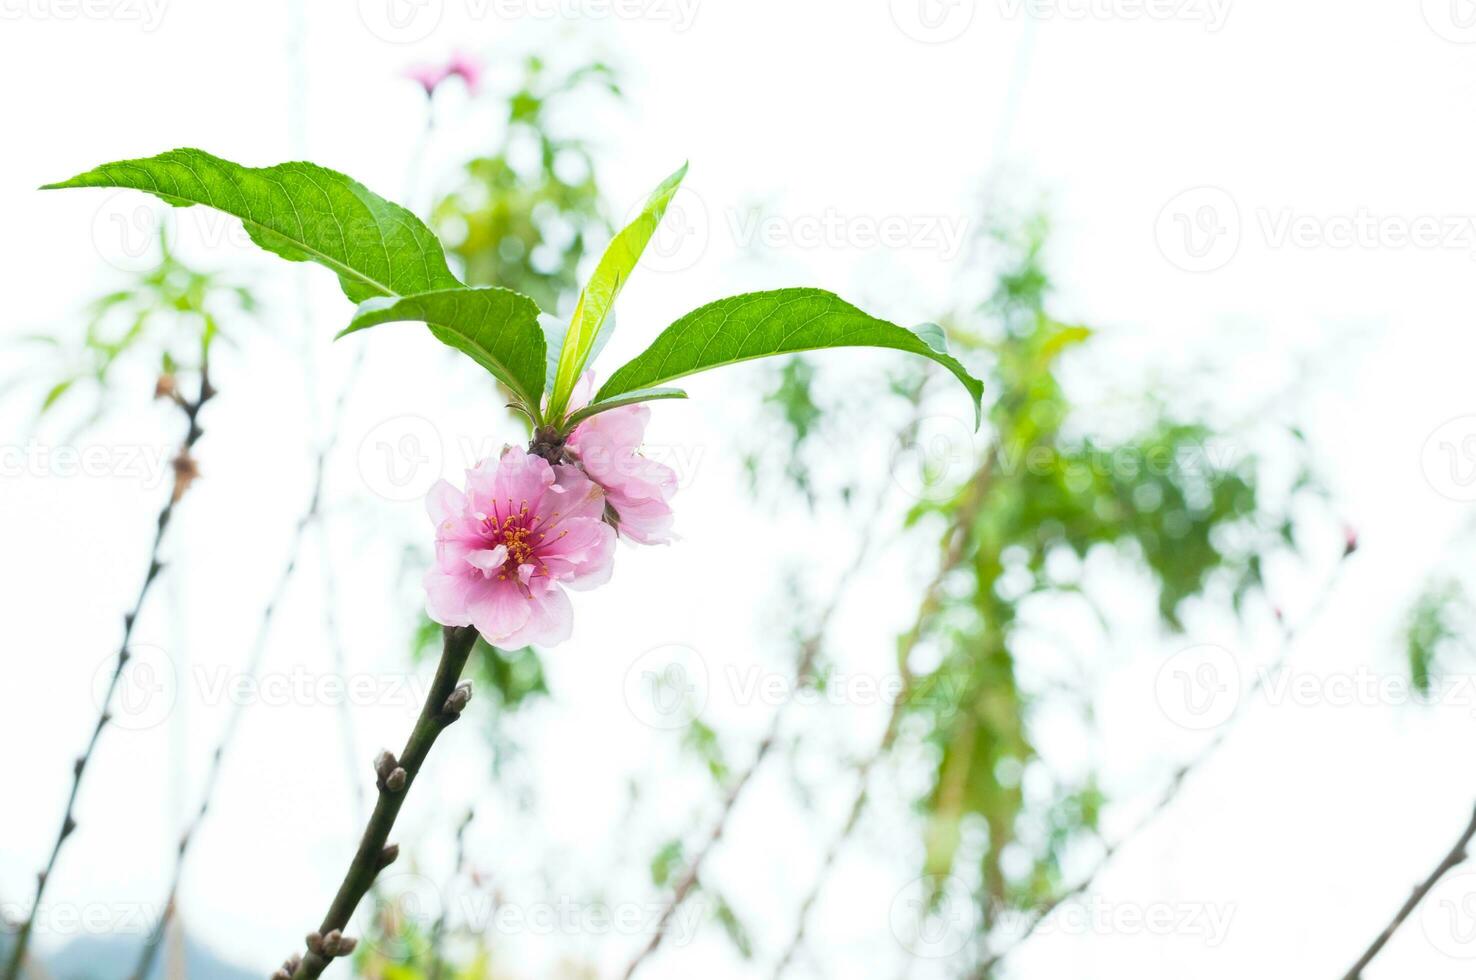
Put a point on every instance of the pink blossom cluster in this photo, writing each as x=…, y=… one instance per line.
x=525, y=529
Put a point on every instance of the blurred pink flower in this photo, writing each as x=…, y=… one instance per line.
x=509, y=545
x=461, y=65
x=428, y=76
x=469, y=68
x=608, y=447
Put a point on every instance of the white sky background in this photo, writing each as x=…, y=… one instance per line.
x=1311, y=826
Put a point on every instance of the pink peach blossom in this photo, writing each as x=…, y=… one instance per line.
x=608, y=447
x=508, y=546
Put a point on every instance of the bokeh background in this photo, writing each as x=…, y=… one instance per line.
x=1176, y=640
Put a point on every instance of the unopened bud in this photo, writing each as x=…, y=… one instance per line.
x=165, y=387
x=331, y=943
x=347, y=945
x=389, y=855
x=315, y=943
x=385, y=764
x=396, y=780
x=458, y=699
x=186, y=472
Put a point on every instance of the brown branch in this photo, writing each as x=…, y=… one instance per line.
x=185, y=472
x=444, y=702
x=1456, y=857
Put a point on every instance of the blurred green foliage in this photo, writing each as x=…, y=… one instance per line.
x=1168, y=500
x=170, y=314
x=1434, y=632
x=523, y=217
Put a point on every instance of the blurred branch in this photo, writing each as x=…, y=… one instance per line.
x=1289, y=635
x=253, y=666
x=185, y=472
x=444, y=703
x=955, y=538
x=1456, y=857
x=438, y=931
x=810, y=649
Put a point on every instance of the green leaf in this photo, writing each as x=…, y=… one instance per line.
x=54, y=395
x=595, y=303
x=497, y=328
x=620, y=401
x=300, y=211
x=783, y=321
x=554, y=332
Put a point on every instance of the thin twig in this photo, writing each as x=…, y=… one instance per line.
x=185, y=473
x=1455, y=858
x=810, y=649
x=1289, y=634
x=955, y=539
x=443, y=706
x=438, y=931
x=311, y=515
x=151, y=946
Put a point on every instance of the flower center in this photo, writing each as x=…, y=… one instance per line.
x=521, y=537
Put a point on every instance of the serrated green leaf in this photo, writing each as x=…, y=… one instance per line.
x=620, y=401
x=299, y=211
x=599, y=294
x=497, y=328
x=782, y=321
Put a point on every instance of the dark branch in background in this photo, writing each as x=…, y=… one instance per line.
x=185, y=472
x=311, y=515
x=810, y=648
x=1455, y=858
x=444, y=703
x=1289, y=635
x=253, y=666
